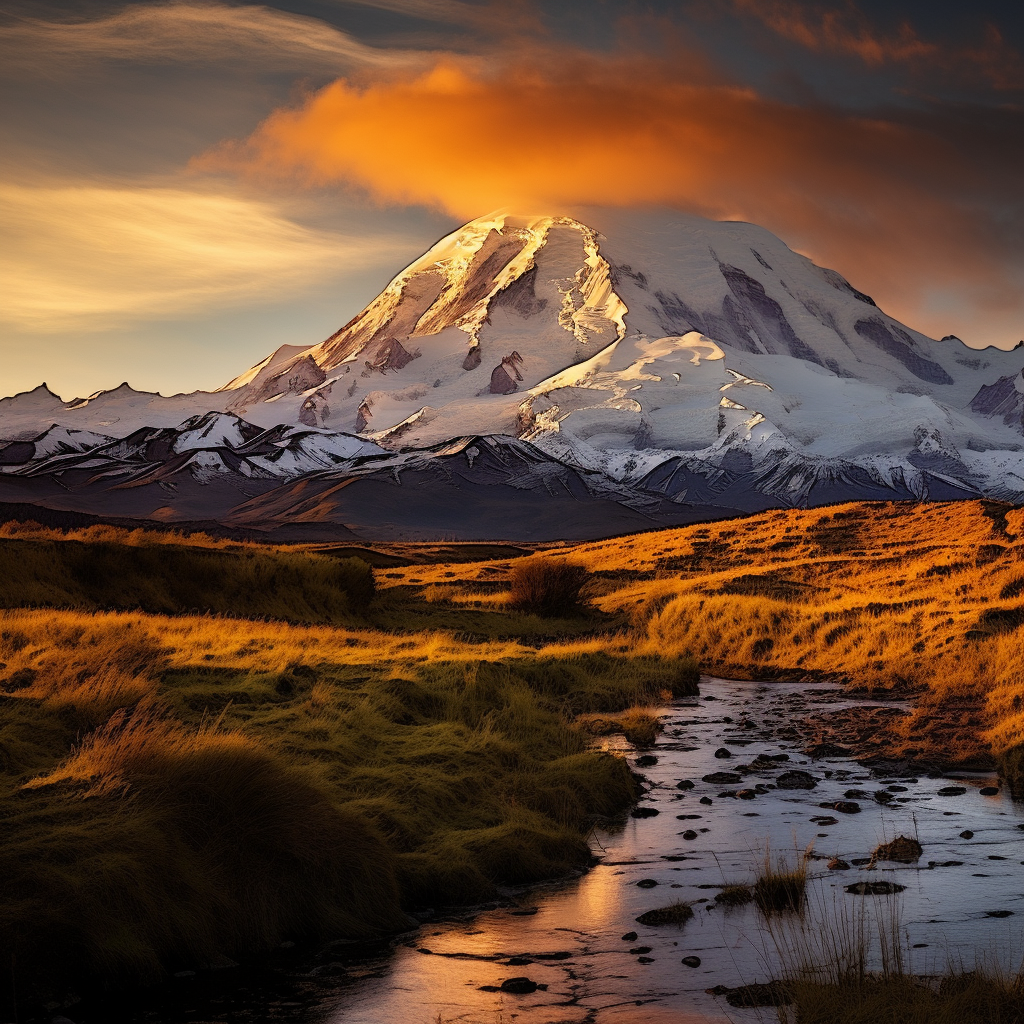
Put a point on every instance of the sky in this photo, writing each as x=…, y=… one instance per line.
x=186, y=185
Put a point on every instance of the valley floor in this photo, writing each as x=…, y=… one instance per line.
x=208, y=747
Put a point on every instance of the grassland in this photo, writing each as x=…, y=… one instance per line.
x=178, y=787
x=207, y=747
x=918, y=600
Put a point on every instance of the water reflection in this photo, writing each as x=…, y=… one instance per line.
x=600, y=981
x=574, y=939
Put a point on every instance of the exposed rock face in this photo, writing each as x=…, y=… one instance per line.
x=505, y=377
x=393, y=355
x=363, y=415
x=1003, y=399
x=299, y=376
x=896, y=342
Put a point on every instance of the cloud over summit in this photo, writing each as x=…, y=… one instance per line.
x=883, y=196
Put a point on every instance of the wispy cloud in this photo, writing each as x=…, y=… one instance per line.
x=845, y=29
x=216, y=34
x=97, y=256
x=899, y=205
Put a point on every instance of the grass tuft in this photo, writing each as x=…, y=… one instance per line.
x=781, y=886
x=549, y=586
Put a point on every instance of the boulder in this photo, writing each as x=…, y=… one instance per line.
x=796, y=779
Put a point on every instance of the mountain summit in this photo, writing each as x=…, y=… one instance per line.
x=670, y=360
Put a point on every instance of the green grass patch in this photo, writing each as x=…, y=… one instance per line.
x=170, y=578
x=156, y=815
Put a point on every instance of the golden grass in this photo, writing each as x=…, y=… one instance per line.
x=442, y=728
x=177, y=787
x=923, y=600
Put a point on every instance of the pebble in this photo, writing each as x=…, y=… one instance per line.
x=646, y=883
x=519, y=986
x=989, y=791
x=629, y=937
x=644, y=812
x=691, y=961
x=844, y=807
x=723, y=752
x=967, y=834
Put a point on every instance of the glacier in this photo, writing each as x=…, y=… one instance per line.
x=628, y=367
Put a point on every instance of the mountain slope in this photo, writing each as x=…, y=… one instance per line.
x=657, y=356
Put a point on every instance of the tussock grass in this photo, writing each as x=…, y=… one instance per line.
x=734, y=895
x=174, y=787
x=154, y=844
x=781, y=885
x=168, y=578
x=548, y=586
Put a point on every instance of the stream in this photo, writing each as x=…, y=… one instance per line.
x=962, y=900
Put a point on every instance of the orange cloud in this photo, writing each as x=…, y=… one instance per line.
x=844, y=29
x=896, y=206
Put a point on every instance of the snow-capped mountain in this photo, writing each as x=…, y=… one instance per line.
x=662, y=360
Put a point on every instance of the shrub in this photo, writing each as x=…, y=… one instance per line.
x=553, y=587
x=356, y=579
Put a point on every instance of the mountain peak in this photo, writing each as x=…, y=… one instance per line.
x=652, y=348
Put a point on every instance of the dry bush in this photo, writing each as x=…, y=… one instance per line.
x=552, y=587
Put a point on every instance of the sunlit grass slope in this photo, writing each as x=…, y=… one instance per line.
x=173, y=788
x=922, y=599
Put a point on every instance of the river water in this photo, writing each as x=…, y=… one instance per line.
x=569, y=936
